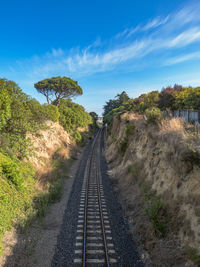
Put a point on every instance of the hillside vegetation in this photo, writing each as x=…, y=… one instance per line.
x=22, y=197
x=154, y=103
x=155, y=163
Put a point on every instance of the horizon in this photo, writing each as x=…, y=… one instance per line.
x=108, y=47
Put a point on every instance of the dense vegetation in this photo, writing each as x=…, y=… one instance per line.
x=152, y=104
x=19, y=115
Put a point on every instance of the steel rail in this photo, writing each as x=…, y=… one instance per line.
x=100, y=208
x=86, y=199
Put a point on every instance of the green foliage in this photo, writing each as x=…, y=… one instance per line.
x=170, y=98
x=114, y=139
x=14, y=171
x=187, y=98
x=123, y=145
x=73, y=116
x=153, y=115
x=166, y=97
x=194, y=255
x=77, y=136
x=5, y=102
x=16, y=191
x=20, y=115
x=153, y=213
x=57, y=88
x=156, y=211
x=51, y=112
x=115, y=103
x=130, y=129
x=94, y=125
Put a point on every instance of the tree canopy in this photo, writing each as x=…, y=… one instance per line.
x=56, y=88
x=115, y=103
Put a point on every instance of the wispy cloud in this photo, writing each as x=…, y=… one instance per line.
x=174, y=31
x=182, y=58
x=155, y=23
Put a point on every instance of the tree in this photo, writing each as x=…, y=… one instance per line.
x=167, y=98
x=115, y=103
x=122, y=98
x=94, y=116
x=56, y=88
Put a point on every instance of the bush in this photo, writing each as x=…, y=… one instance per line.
x=73, y=116
x=153, y=115
x=51, y=112
x=77, y=136
x=11, y=171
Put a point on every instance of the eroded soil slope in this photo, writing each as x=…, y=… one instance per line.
x=156, y=172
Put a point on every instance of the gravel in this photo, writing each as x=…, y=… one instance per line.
x=123, y=242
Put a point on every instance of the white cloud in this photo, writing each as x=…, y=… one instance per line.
x=155, y=23
x=185, y=38
x=182, y=58
x=174, y=31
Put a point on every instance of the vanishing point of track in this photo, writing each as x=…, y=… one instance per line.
x=94, y=245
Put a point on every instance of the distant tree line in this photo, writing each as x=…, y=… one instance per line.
x=170, y=98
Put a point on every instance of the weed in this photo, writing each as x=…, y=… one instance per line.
x=114, y=139
x=156, y=211
x=123, y=145
x=129, y=129
x=127, y=119
x=193, y=254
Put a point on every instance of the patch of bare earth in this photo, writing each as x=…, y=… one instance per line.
x=36, y=246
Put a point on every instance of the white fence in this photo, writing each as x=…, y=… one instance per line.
x=188, y=115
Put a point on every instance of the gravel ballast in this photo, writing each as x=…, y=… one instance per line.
x=125, y=247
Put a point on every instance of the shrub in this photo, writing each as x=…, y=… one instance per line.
x=11, y=171
x=51, y=112
x=154, y=115
x=73, y=116
x=77, y=137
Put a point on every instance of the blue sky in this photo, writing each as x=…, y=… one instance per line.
x=107, y=46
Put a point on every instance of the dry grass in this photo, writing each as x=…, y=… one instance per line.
x=172, y=125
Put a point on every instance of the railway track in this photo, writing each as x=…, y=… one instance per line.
x=94, y=245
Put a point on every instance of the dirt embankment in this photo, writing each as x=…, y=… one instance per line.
x=156, y=172
x=53, y=153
